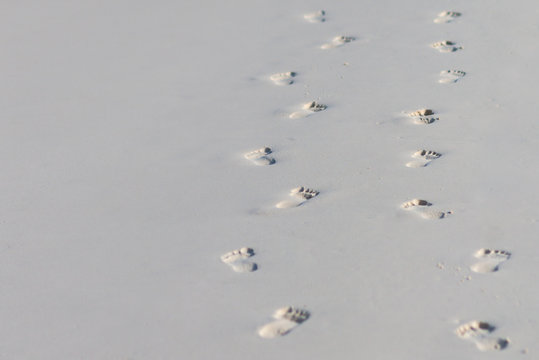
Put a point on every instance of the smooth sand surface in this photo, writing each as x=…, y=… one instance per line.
x=124, y=179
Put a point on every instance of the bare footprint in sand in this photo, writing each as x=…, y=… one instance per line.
x=260, y=156
x=446, y=46
x=315, y=17
x=451, y=76
x=422, y=208
x=415, y=203
x=286, y=319
x=285, y=78
x=299, y=196
x=446, y=17
x=423, y=116
x=237, y=260
x=307, y=109
x=424, y=158
x=490, y=260
x=479, y=332
x=338, y=41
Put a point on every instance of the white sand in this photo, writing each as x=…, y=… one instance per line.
x=125, y=125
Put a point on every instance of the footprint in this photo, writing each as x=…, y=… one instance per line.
x=446, y=46
x=422, y=116
x=315, y=17
x=446, y=17
x=415, y=202
x=286, y=319
x=308, y=109
x=237, y=259
x=285, y=78
x=490, y=260
x=260, y=156
x=423, y=120
x=299, y=195
x=479, y=332
x=450, y=76
x=424, y=156
x=337, y=42
x=421, y=207
x=421, y=112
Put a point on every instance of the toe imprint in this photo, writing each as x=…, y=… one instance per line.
x=424, y=156
x=304, y=192
x=446, y=46
x=316, y=17
x=479, y=332
x=422, y=116
x=421, y=112
x=420, y=120
x=314, y=106
x=286, y=78
x=291, y=313
x=451, y=76
x=237, y=260
x=474, y=329
x=491, y=259
x=421, y=208
x=414, y=203
x=257, y=153
x=493, y=254
x=259, y=157
x=338, y=41
x=308, y=109
x=287, y=318
x=234, y=255
x=446, y=17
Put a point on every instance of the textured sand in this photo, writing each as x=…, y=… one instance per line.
x=125, y=129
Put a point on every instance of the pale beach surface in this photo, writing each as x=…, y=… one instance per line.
x=125, y=179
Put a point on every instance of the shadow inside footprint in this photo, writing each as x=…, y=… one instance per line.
x=237, y=260
x=286, y=319
x=491, y=259
x=299, y=196
x=260, y=157
x=479, y=332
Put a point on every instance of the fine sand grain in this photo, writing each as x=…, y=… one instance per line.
x=136, y=223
